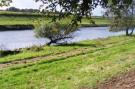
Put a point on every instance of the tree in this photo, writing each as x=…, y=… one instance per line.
x=13, y=9
x=55, y=31
x=122, y=10
x=5, y=2
x=79, y=8
x=23, y=10
x=124, y=19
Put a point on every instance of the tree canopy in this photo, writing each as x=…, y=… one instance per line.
x=124, y=19
x=122, y=10
x=80, y=7
x=5, y=2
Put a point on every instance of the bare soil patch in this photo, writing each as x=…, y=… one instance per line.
x=123, y=81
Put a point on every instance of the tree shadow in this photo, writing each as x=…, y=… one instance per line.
x=6, y=53
x=79, y=45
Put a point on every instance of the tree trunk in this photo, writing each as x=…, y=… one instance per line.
x=49, y=43
x=132, y=32
x=127, y=33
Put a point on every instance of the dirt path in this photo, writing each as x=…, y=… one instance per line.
x=123, y=81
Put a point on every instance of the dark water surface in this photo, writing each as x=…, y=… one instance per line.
x=10, y=40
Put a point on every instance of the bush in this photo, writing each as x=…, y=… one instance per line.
x=34, y=48
x=55, y=32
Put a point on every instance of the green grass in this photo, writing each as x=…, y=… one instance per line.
x=52, y=50
x=5, y=20
x=19, y=13
x=31, y=54
x=16, y=18
x=84, y=64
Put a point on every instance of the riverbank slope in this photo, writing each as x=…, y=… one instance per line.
x=80, y=65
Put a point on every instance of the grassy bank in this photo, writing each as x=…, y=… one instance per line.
x=12, y=20
x=77, y=66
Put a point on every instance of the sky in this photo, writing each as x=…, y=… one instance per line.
x=22, y=4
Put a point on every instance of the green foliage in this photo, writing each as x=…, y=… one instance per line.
x=33, y=49
x=123, y=19
x=80, y=8
x=55, y=31
x=5, y=2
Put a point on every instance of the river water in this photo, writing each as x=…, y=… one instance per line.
x=10, y=40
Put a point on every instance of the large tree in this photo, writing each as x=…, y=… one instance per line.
x=80, y=8
x=124, y=20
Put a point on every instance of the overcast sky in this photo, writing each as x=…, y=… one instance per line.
x=31, y=4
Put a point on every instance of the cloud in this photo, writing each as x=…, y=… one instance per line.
x=25, y=4
x=22, y=4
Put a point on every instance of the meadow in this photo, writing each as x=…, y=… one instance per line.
x=15, y=18
x=75, y=66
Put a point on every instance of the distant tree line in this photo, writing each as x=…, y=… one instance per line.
x=22, y=10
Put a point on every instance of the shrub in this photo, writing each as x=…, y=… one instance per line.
x=34, y=48
x=55, y=31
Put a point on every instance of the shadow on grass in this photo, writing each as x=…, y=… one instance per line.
x=78, y=44
x=6, y=53
x=54, y=60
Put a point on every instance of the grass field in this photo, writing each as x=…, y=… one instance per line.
x=15, y=18
x=81, y=65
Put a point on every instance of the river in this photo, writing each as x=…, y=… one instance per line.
x=10, y=40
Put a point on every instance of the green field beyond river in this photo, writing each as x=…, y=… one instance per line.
x=21, y=21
